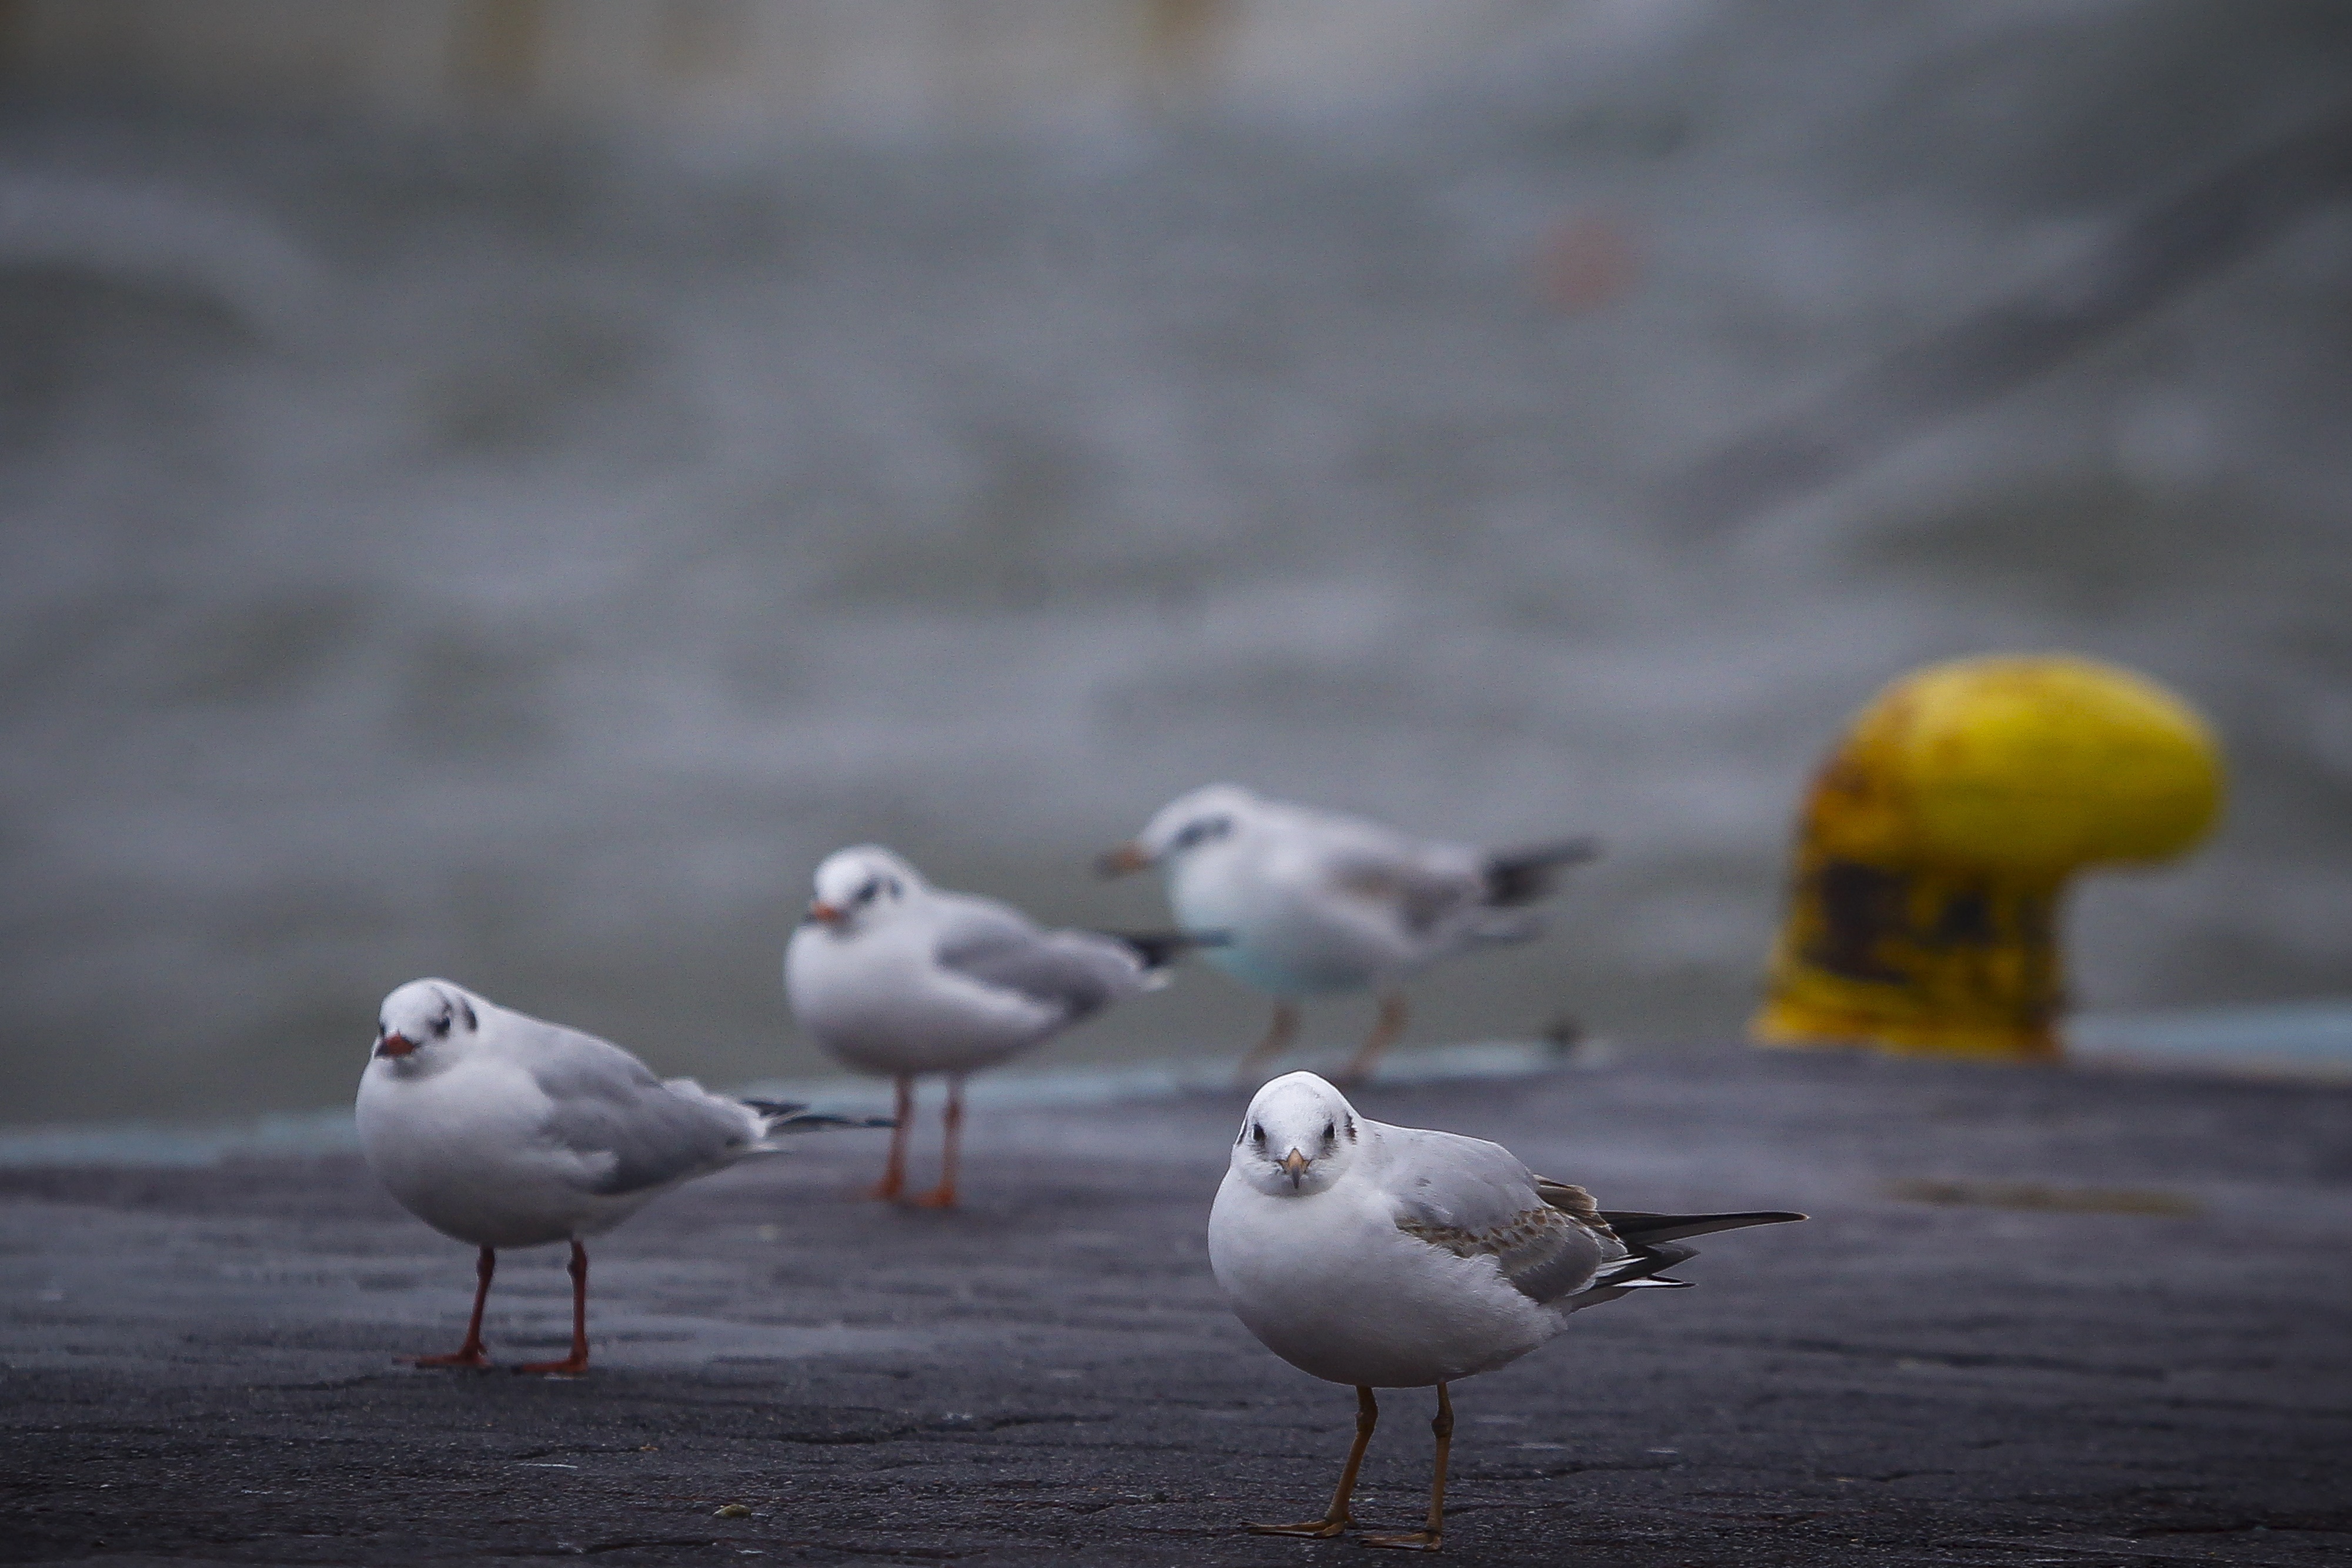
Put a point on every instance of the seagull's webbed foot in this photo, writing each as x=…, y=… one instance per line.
x=1419, y=1540
x=470, y=1353
x=1335, y=1518
x=894, y=1174
x=1312, y=1529
x=575, y=1363
x=952, y=1141
x=1431, y=1536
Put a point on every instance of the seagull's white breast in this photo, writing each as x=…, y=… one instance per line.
x=1330, y=1284
x=878, y=1001
x=462, y=1149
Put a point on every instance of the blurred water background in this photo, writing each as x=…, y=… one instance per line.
x=514, y=536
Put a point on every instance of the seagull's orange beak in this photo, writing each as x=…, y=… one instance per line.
x=1293, y=1165
x=1128, y=857
x=825, y=914
x=395, y=1045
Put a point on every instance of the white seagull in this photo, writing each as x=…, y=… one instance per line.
x=895, y=976
x=1398, y=1258
x=1314, y=902
x=500, y=1131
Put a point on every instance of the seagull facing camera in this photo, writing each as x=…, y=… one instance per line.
x=1386, y=1257
x=1297, y=1145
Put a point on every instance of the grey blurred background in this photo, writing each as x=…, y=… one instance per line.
x=498, y=487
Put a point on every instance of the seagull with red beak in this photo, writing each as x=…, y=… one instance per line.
x=503, y=1130
x=897, y=977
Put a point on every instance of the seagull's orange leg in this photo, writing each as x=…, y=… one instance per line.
x=894, y=1173
x=577, y=1362
x=1335, y=1518
x=1393, y=1012
x=1278, y=1035
x=1431, y=1536
x=471, y=1352
x=944, y=1194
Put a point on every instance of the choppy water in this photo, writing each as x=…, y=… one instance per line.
x=521, y=559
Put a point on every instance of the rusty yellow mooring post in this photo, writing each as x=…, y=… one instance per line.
x=1938, y=836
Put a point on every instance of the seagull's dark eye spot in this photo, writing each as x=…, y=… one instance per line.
x=1330, y=1133
x=1201, y=830
x=866, y=894
x=441, y=1027
x=1258, y=1133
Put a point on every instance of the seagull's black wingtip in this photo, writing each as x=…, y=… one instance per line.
x=1158, y=950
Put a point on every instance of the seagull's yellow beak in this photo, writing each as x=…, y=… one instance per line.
x=395, y=1045
x=1293, y=1165
x=1128, y=857
x=825, y=914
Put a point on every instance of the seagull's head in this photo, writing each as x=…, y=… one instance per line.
x=860, y=885
x=1300, y=1137
x=1209, y=815
x=425, y=1020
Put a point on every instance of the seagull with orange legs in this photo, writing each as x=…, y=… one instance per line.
x=1313, y=902
x=1383, y=1257
x=502, y=1131
x=895, y=976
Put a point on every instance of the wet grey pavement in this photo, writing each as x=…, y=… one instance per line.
x=2037, y=1317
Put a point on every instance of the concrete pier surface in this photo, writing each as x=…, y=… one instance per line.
x=2038, y=1317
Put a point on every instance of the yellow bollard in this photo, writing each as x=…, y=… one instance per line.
x=1938, y=839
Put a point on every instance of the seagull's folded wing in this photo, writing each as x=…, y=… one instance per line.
x=629, y=1130
x=1074, y=972
x=1474, y=1199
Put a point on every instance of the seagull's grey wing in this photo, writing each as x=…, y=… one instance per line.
x=1475, y=1200
x=1075, y=972
x=1424, y=884
x=631, y=1130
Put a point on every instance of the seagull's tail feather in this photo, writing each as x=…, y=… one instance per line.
x=783, y=1116
x=1652, y=1241
x=1522, y=876
x=1158, y=950
x=1636, y=1229
x=1644, y=1264
x=1642, y=1268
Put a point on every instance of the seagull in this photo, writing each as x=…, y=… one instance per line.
x=1314, y=903
x=500, y=1130
x=1398, y=1258
x=895, y=976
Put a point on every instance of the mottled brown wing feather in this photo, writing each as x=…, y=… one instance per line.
x=1545, y=1253
x=1570, y=1200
